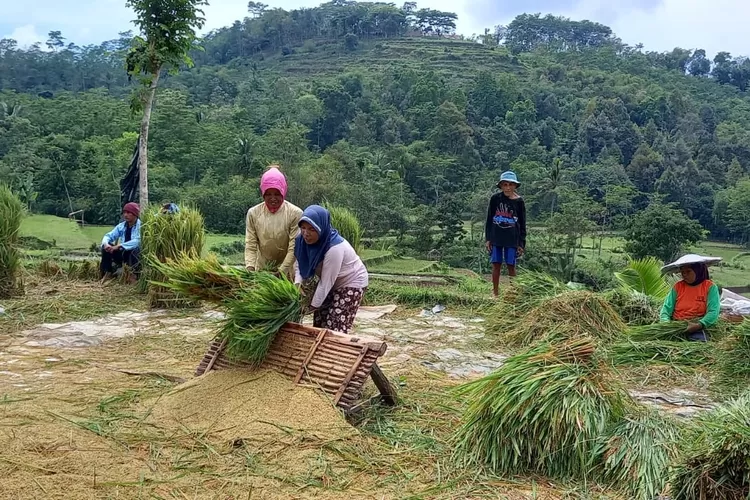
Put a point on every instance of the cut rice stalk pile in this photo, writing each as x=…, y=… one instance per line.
x=714, y=460
x=575, y=314
x=169, y=236
x=524, y=293
x=635, y=308
x=347, y=224
x=668, y=352
x=11, y=212
x=542, y=412
x=637, y=452
x=734, y=358
x=203, y=279
x=248, y=405
x=256, y=315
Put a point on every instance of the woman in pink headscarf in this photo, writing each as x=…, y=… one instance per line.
x=271, y=227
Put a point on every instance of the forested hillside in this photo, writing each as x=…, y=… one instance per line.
x=386, y=111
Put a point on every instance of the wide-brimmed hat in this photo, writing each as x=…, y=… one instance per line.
x=687, y=260
x=509, y=176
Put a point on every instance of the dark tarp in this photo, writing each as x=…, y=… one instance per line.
x=129, y=183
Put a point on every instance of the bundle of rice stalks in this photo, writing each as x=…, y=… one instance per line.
x=668, y=330
x=256, y=314
x=11, y=212
x=635, y=308
x=168, y=236
x=347, y=224
x=202, y=279
x=569, y=315
x=542, y=412
x=637, y=451
x=668, y=352
x=714, y=459
x=524, y=293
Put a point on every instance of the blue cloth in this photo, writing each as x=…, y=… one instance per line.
x=118, y=233
x=699, y=336
x=310, y=256
x=172, y=208
x=503, y=254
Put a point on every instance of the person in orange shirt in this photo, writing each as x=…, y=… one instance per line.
x=695, y=298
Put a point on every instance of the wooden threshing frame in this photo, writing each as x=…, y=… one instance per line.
x=337, y=363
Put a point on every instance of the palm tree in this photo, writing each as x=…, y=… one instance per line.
x=551, y=184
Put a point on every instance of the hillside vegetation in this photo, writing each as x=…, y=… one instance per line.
x=383, y=110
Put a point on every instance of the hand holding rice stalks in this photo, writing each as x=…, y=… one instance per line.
x=540, y=412
x=667, y=330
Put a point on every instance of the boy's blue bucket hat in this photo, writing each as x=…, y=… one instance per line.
x=509, y=177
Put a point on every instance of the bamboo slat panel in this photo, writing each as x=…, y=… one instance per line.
x=338, y=364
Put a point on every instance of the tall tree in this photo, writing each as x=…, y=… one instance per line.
x=168, y=32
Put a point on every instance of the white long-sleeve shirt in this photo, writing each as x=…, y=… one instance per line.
x=341, y=268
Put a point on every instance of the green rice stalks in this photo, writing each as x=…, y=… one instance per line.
x=734, y=359
x=347, y=224
x=661, y=352
x=256, y=315
x=168, y=236
x=569, y=315
x=11, y=267
x=668, y=330
x=541, y=412
x=637, y=451
x=635, y=308
x=524, y=293
x=202, y=279
x=714, y=459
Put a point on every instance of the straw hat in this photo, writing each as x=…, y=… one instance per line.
x=688, y=259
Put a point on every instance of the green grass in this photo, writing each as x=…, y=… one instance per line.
x=64, y=232
x=69, y=236
x=403, y=266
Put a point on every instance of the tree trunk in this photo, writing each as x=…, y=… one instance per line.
x=143, y=145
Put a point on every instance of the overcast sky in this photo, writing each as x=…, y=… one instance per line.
x=714, y=25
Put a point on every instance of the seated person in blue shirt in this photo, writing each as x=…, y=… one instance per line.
x=123, y=243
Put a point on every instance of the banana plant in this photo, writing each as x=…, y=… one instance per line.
x=644, y=276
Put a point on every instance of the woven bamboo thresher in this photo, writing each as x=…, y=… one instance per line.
x=336, y=363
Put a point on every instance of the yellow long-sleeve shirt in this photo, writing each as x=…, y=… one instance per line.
x=269, y=238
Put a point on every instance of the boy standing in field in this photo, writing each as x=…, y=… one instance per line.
x=505, y=230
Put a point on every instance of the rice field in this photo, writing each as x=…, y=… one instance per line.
x=587, y=437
